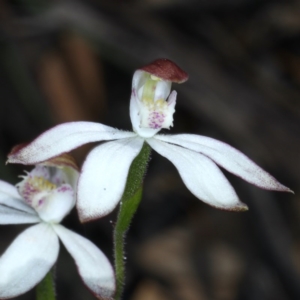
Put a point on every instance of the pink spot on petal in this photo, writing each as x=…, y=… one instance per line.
x=64, y=188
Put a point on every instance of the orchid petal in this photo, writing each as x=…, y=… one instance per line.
x=200, y=175
x=9, y=189
x=103, y=178
x=10, y=215
x=57, y=204
x=27, y=260
x=227, y=157
x=64, y=138
x=10, y=197
x=93, y=266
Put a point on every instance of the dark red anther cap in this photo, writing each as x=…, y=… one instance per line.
x=167, y=70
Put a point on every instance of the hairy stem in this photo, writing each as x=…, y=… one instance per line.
x=128, y=206
x=45, y=290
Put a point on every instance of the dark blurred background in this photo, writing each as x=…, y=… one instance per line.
x=63, y=61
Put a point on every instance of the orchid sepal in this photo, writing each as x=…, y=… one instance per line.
x=61, y=139
x=167, y=70
x=227, y=157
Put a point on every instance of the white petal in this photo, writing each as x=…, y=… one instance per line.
x=57, y=204
x=10, y=215
x=64, y=138
x=93, y=266
x=103, y=177
x=27, y=260
x=10, y=197
x=200, y=175
x=8, y=189
x=227, y=157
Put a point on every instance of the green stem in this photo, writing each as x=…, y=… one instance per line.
x=128, y=206
x=45, y=290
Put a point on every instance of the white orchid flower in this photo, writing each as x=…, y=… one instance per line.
x=104, y=173
x=45, y=196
